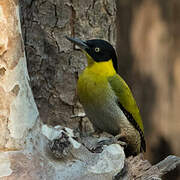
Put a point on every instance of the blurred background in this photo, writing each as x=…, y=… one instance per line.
x=148, y=46
x=146, y=34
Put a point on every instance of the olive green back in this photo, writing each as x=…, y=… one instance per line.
x=126, y=98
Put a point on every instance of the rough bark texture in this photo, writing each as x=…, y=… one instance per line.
x=52, y=62
x=18, y=112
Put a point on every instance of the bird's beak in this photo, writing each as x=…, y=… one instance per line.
x=82, y=44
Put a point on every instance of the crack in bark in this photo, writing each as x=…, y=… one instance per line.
x=93, y=4
x=109, y=33
x=55, y=26
x=72, y=20
x=106, y=9
x=31, y=3
x=86, y=12
x=43, y=2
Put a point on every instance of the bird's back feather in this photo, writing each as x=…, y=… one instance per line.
x=127, y=104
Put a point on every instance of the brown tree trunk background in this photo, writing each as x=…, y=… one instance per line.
x=148, y=48
x=147, y=41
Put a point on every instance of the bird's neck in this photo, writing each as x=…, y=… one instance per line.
x=104, y=68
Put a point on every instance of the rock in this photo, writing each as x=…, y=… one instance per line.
x=81, y=163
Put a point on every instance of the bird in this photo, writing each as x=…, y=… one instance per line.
x=106, y=98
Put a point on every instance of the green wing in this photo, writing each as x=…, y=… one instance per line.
x=127, y=104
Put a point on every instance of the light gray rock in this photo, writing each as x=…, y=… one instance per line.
x=80, y=162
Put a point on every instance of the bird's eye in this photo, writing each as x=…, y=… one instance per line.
x=97, y=49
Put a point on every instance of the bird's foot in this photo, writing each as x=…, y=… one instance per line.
x=120, y=139
x=113, y=140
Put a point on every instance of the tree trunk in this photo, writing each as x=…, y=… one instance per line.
x=52, y=62
x=18, y=111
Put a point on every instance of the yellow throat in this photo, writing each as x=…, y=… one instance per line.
x=104, y=68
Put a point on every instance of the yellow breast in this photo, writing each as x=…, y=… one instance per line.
x=93, y=83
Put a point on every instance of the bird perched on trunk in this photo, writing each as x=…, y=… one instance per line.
x=106, y=98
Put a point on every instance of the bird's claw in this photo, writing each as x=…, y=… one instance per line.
x=118, y=140
x=112, y=140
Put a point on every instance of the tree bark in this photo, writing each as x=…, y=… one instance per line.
x=18, y=112
x=52, y=62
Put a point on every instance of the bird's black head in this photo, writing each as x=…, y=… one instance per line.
x=98, y=49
